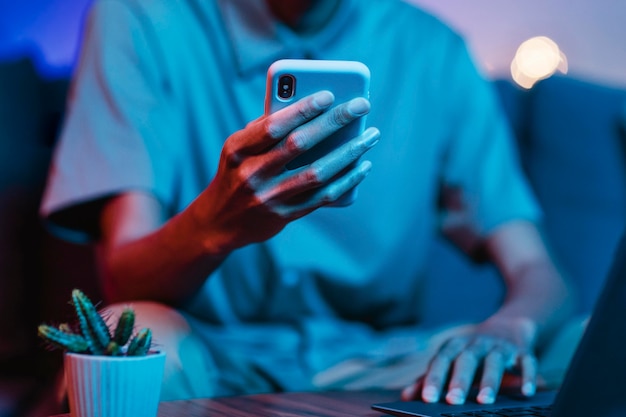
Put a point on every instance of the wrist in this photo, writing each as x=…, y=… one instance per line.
x=213, y=240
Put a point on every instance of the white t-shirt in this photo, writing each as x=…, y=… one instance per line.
x=161, y=84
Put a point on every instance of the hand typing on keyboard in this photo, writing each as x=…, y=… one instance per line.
x=497, y=350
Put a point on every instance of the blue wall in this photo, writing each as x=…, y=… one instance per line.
x=48, y=31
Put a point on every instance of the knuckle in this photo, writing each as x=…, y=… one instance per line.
x=462, y=380
x=310, y=177
x=495, y=356
x=440, y=361
x=230, y=154
x=453, y=346
x=322, y=171
x=249, y=178
x=270, y=209
x=331, y=195
x=305, y=112
x=433, y=379
x=326, y=195
x=296, y=143
x=272, y=129
x=529, y=360
x=340, y=116
x=468, y=356
x=354, y=151
x=246, y=182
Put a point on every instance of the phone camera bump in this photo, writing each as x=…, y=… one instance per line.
x=286, y=86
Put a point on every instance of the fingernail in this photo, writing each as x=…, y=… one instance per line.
x=486, y=396
x=371, y=137
x=323, y=99
x=366, y=167
x=359, y=106
x=455, y=396
x=528, y=389
x=430, y=394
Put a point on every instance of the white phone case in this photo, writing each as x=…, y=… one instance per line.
x=345, y=79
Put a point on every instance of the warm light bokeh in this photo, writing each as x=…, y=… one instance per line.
x=536, y=59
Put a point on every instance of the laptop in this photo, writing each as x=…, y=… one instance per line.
x=594, y=384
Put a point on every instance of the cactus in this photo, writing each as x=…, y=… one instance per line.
x=62, y=339
x=95, y=337
x=140, y=344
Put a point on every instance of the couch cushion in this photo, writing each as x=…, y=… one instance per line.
x=576, y=163
x=23, y=164
x=571, y=146
x=37, y=272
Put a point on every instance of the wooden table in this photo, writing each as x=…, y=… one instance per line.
x=320, y=404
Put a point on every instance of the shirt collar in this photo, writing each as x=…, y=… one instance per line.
x=257, y=39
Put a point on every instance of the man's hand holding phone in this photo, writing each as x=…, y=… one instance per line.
x=254, y=195
x=290, y=80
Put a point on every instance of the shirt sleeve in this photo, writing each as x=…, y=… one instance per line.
x=117, y=116
x=483, y=185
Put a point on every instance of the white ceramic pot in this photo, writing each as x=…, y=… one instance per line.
x=114, y=386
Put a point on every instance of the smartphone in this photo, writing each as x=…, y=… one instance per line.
x=289, y=80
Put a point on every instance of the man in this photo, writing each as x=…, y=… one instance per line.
x=165, y=161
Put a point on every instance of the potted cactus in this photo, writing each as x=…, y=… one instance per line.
x=109, y=371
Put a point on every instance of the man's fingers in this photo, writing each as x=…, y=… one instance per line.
x=308, y=135
x=285, y=120
x=465, y=367
x=439, y=369
x=267, y=131
x=324, y=171
x=336, y=161
x=528, y=363
x=333, y=191
x=307, y=202
x=495, y=364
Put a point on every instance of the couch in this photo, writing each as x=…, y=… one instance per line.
x=37, y=271
x=570, y=135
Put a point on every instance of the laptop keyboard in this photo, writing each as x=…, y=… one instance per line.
x=505, y=412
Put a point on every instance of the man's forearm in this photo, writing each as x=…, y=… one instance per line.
x=142, y=256
x=536, y=289
x=537, y=292
x=155, y=267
